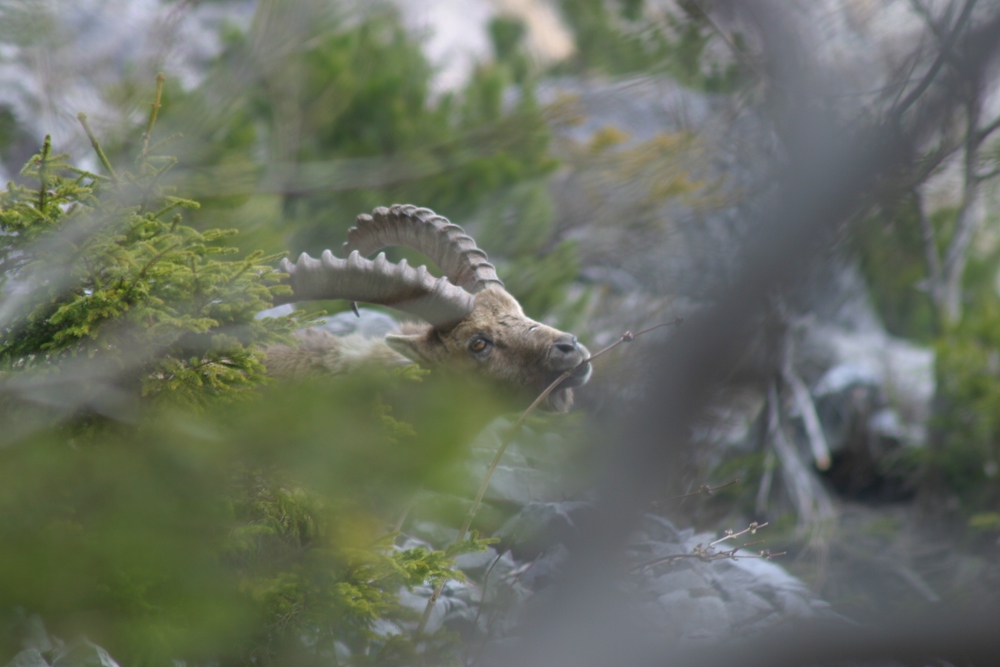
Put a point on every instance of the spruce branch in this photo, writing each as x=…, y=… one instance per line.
x=43, y=168
x=82, y=117
x=160, y=78
x=142, y=273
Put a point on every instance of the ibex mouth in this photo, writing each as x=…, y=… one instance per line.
x=579, y=377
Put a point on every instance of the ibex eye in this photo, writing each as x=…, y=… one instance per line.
x=478, y=344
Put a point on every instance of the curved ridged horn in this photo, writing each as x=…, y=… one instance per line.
x=422, y=229
x=400, y=286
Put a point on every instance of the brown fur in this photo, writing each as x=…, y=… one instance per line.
x=521, y=353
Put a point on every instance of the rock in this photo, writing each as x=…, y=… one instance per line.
x=91, y=45
x=34, y=635
x=695, y=602
x=81, y=652
x=277, y=311
x=540, y=525
x=456, y=608
x=681, y=577
x=368, y=322
x=749, y=612
x=903, y=372
x=695, y=616
x=477, y=563
x=533, y=467
x=28, y=658
x=371, y=323
x=537, y=574
x=432, y=534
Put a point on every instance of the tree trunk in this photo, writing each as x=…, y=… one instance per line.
x=948, y=294
x=968, y=222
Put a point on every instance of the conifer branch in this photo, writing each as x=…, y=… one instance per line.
x=160, y=78
x=82, y=117
x=43, y=181
x=142, y=273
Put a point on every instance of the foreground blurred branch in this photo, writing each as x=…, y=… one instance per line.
x=827, y=175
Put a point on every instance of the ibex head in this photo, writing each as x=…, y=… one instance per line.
x=472, y=321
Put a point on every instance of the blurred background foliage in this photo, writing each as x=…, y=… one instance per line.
x=630, y=37
x=961, y=462
x=159, y=494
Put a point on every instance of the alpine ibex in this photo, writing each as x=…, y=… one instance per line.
x=472, y=323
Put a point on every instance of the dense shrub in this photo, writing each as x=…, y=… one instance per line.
x=154, y=493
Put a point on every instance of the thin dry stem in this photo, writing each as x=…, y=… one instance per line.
x=752, y=529
x=706, y=490
x=708, y=553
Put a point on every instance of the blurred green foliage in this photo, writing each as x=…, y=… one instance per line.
x=103, y=267
x=964, y=452
x=360, y=90
x=890, y=250
x=255, y=532
x=968, y=419
x=195, y=525
x=348, y=120
x=632, y=37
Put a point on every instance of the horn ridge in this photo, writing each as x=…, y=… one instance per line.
x=422, y=229
x=379, y=281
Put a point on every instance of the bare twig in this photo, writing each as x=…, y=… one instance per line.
x=626, y=337
x=705, y=490
x=932, y=73
x=920, y=8
x=729, y=534
x=993, y=173
x=707, y=553
x=989, y=129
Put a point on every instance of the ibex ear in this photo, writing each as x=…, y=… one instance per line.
x=416, y=347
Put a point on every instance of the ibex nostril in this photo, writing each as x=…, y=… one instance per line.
x=566, y=344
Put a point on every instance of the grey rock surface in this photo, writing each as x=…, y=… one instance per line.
x=31, y=657
x=70, y=54
x=679, y=596
x=81, y=652
x=43, y=650
x=368, y=322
